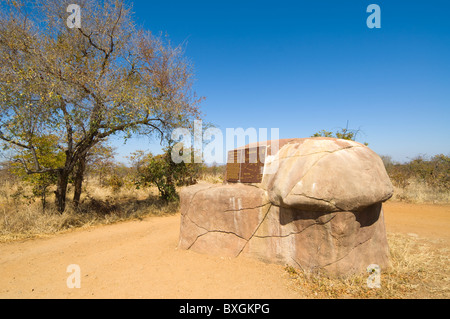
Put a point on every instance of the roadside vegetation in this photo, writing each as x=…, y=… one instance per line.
x=111, y=192
x=421, y=180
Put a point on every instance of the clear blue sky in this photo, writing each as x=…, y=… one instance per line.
x=303, y=66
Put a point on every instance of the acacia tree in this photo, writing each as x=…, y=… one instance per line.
x=86, y=84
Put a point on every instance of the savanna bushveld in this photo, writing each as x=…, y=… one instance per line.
x=65, y=92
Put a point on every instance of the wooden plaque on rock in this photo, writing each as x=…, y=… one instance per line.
x=246, y=165
x=233, y=166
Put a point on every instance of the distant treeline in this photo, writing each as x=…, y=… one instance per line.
x=434, y=171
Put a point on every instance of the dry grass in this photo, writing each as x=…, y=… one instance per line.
x=419, y=192
x=212, y=178
x=22, y=216
x=418, y=270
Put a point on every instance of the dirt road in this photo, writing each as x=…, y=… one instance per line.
x=140, y=259
x=137, y=259
x=429, y=221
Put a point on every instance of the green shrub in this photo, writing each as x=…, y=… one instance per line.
x=166, y=175
x=115, y=182
x=344, y=133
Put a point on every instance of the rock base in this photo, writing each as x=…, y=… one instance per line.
x=238, y=219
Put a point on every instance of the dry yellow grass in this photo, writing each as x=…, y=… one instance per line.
x=418, y=270
x=419, y=192
x=22, y=216
x=212, y=178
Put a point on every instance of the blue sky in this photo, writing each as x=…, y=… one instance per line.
x=304, y=66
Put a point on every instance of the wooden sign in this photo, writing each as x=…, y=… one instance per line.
x=246, y=165
x=233, y=166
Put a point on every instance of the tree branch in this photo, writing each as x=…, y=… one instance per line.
x=38, y=171
x=124, y=126
x=89, y=37
x=4, y=138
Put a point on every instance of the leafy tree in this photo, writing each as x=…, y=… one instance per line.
x=165, y=174
x=85, y=84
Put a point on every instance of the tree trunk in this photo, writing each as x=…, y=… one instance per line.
x=61, y=190
x=43, y=198
x=79, y=174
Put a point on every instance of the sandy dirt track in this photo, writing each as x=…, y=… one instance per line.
x=140, y=259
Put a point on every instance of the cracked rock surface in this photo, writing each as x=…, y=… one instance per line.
x=326, y=174
x=321, y=209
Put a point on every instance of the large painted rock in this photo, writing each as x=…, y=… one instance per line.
x=317, y=207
